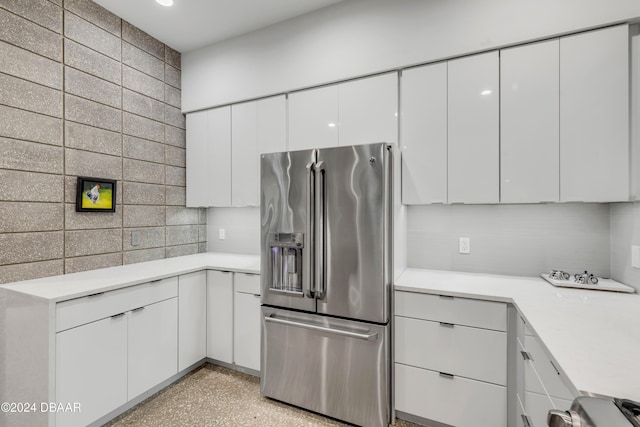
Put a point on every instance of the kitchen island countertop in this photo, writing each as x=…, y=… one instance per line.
x=593, y=335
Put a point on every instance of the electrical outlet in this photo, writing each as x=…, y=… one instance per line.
x=635, y=256
x=221, y=233
x=464, y=245
x=135, y=238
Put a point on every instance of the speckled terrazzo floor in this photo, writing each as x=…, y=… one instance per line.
x=216, y=396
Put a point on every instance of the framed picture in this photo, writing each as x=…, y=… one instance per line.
x=95, y=195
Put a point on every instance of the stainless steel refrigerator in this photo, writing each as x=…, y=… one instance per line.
x=326, y=232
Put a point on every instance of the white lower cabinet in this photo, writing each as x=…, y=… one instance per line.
x=220, y=316
x=451, y=359
x=246, y=321
x=91, y=369
x=152, y=345
x=192, y=318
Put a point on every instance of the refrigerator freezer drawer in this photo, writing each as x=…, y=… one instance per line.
x=335, y=367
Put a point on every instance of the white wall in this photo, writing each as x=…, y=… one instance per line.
x=522, y=240
x=359, y=37
x=242, y=230
x=625, y=232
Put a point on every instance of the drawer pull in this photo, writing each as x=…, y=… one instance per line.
x=446, y=375
x=137, y=309
x=526, y=356
x=155, y=281
x=256, y=295
x=447, y=325
x=118, y=315
x=554, y=367
x=95, y=295
x=446, y=296
x=525, y=421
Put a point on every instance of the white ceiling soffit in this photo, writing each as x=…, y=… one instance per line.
x=191, y=24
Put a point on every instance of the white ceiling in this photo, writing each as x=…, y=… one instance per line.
x=191, y=24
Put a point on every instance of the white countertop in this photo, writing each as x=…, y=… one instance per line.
x=593, y=335
x=69, y=286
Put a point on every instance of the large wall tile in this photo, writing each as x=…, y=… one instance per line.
x=172, y=57
x=202, y=233
x=137, y=193
x=142, y=83
x=30, y=247
x=144, y=41
x=86, y=163
x=176, y=156
x=20, y=217
x=202, y=247
x=172, y=96
x=182, y=234
x=92, y=242
x=142, y=105
x=172, y=76
x=92, y=36
x=143, y=216
x=15, y=92
x=42, y=12
x=176, y=196
x=175, y=251
x=175, y=176
x=91, y=113
x=175, y=136
x=21, y=124
x=32, y=270
x=132, y=257
x=148, y=237
x=91, y=220
x=142, y=127
x=90, y=138
x=181, y=215
x=85, y=263
x=95, y=14
x=30, y=36
x=202, y=220
x=142, y=61
x=30, y=156
x=142, y=149
x=93, y=88
x=19, y=186
x=141, y=171
x=174, y=116
x=92, y=62
x=29, y=66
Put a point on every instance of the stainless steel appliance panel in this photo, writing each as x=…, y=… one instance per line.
x=331, y=366
x=357, y=231
x=285, y=238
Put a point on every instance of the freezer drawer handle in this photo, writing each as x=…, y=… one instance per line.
x=371, y=336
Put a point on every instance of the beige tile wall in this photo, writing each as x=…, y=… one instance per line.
x=83, y=92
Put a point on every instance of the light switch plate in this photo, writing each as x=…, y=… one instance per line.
x=635, y=256
x=464, y=245
x=135, y=238
x=221, y=234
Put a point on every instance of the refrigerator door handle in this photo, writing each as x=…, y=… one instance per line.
x=319, y=235
x=309, y=260
x=370, y=336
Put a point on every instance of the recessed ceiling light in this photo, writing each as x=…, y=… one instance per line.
x=165, y=2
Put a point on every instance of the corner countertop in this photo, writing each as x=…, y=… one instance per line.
x=593, y=335
x=75, y=285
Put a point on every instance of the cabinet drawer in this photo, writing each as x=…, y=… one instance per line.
x=554, y=382
x=247, y=283
x=87, y=309
x=460, y=311
x=455, y=401
x=479, y=354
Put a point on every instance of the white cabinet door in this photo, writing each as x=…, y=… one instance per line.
x=473, y=116
x=219, y=120
x=91, y=369
x=198, y=157
x=220, y=315
x=246, y=321
x=192, y=318
x=152, y=345
x=368, y=110
x=529, y=123
x=272, y=125
x=594, y=116
x=245, y=166
x=313, y=118
x=424, y=134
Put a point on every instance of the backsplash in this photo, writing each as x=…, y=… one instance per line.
x=241, y=229
x=83, y=92
x=625, y=232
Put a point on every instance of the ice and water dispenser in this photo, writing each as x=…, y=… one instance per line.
x=286, y=261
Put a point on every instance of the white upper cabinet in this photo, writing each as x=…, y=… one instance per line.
x=368, y=110
x=272, y=125
x=424, y=134
x=209, y=158
x=594, y=116
x=245, y=167
x=313, y=118
x=473, y=117
x=529, y=123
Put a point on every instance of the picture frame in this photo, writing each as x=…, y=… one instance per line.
x=95, y=195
